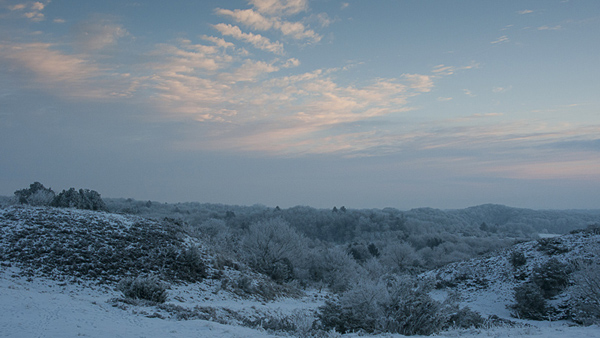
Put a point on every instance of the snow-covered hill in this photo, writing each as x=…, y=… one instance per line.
x=487, y=284
x=59, y=269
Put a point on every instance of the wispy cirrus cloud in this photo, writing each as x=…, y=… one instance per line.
x=502, y=39
x=68, y=75
x=98, y=33
x=280, y=7
x=257, y=21
x=524, y=11
x=444, y=70
x=549, y=28
x=257, y=40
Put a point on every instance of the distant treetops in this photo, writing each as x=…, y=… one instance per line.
x=38, y=195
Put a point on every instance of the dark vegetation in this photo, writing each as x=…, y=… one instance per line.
x=38, y=195
x=96, y=247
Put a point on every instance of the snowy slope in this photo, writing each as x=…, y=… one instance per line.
x=45, y=292
x=487, y=284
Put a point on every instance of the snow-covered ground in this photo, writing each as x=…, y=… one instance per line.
x=41, y=307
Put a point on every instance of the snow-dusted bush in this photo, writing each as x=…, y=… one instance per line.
x=585, y=297
x=400, y=256
x=465, y=318
x=271, y=247
x=145, y=288
x=333, y=267
x=552, y=277
x=395, y=306
x=82, y=199
x=517, y=259
x=188, y=265
x=36, y=195
x=530, y=302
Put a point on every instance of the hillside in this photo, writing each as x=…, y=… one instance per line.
x=487, y=284
x=62, y=273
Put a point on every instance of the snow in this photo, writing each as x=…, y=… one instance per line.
x=42, y=307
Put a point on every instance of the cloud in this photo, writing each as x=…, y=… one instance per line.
x=501, y=89
x=545, y=28
x=58, y=20
x=280, y=7
x=468, y=92
x=17, y=7
x=72, y=76
x=97, y=33
x=420, y=83
x=32, y=10
x=257, y=40
x=443, y=70
x=38, y=6
x=257, y=21
x=501, y=39
x=308, y=113
x=250, y=71
x=525, y=11
x=443, y=99
x=344, y=5
x=292, y=62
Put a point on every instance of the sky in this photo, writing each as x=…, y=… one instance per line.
x=366, y=104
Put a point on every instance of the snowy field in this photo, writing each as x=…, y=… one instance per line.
x=45, y=308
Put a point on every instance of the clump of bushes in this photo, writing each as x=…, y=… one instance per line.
x=38, y=195
x=552, y=277
x=585, y=301
x=546, y=282
x=394, y=306
x=530, y=302
x=465, y=318
x=143, y=288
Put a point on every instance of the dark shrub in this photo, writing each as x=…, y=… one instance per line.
x=82, y=199
x=466, y=318
x=530, y=302
x=552, y=278
x=416, y=314
x=37, y=195
x=517, y=259
x=146, y=288
x=552, y=246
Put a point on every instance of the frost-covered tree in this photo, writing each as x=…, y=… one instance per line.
x=82, y=199
x=400, y=256
x=585, y=296
x=271, y=247
x=36, y=195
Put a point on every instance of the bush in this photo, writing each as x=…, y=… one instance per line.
x=271, y=247
x=145, y=288
x=585, y=301
x=189, y=265
x=417, y=314
x=82, y=199
x=517, y=259
x=552, y=278
x=530, y=302
x=391, y=306
x=36, y=195
x=466, y=318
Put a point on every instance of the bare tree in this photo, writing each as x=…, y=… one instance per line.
x=272, y=246
x=586, y=293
